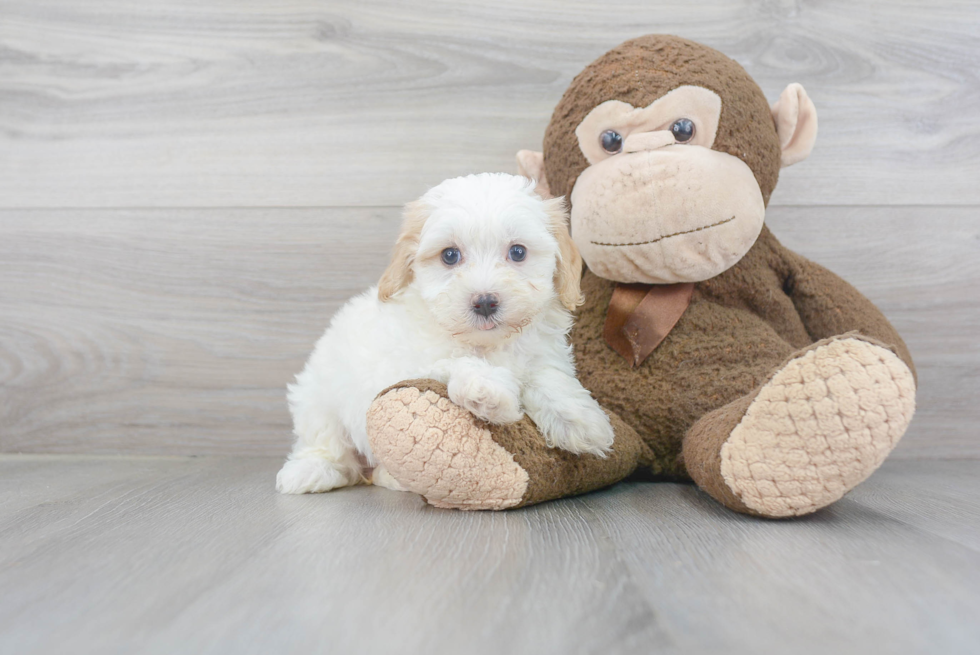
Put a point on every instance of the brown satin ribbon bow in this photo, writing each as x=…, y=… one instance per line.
x=640, y=317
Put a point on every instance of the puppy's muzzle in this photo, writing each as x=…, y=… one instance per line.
x=486, y=304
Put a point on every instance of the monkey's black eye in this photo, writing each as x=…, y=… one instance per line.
x=450, y=256
x=683, y=130
x=612, y=141
x=518, y=253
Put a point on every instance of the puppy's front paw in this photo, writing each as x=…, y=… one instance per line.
x=309, y=475
x=578, y=427
x=492, y=394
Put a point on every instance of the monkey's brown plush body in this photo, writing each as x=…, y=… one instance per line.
x=772, y=383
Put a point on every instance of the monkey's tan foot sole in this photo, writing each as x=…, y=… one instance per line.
x=439, y=450
x=818, y=428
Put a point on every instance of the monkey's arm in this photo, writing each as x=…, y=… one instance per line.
x=433, y=447
x=829, y=306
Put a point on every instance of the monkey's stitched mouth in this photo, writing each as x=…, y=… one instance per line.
x=666, y=236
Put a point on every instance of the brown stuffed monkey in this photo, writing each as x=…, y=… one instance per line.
x=721, y=356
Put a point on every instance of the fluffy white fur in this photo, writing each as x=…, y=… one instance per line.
x=420, y=323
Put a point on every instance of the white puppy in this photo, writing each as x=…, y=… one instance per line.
x=477, y=295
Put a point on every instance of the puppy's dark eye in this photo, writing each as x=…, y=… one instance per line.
x=518, y=253
x=683, y=130
x=450, y=256
x=612, y=141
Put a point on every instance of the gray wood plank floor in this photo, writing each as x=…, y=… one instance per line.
x=168, y=555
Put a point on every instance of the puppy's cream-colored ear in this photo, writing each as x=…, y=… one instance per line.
x=796, y=124
x=399, y=271
x=530, y=164
x=568, y=272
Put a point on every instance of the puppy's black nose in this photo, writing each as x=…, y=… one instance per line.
x=486, y=305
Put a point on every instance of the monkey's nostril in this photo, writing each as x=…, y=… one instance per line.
x=486, y=304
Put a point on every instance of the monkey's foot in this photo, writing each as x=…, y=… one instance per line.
x=821, y=425
x=441, y=451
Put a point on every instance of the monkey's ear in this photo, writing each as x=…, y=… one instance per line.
x=399, y=271
x=568, y=272
x=796, y=124
x=530, y=164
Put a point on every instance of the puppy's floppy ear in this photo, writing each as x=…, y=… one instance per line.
x=568, y=273
x=399, y=271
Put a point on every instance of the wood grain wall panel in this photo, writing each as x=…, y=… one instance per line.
x=176, y=331
x=214, y=104
x=169, y=331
